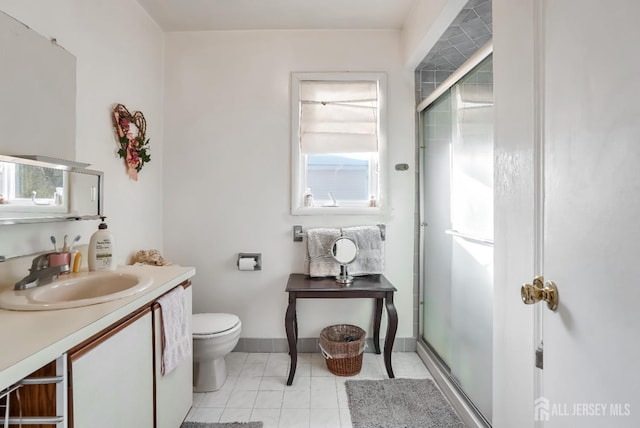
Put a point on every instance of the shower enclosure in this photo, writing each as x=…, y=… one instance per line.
x=457, y=232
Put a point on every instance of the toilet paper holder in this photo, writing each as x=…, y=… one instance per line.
x=254, y=259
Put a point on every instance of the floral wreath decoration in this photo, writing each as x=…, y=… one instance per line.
x=131, y=130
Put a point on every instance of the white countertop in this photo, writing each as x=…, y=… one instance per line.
x=32, y=339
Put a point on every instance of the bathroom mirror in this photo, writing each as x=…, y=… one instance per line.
x=38, y=190
x=344, y=250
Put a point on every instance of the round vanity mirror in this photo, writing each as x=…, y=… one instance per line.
x=344, y=250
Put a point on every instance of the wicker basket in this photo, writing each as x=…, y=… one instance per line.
x=342, y=346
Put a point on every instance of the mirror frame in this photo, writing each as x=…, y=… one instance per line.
x=60, y=164
x=335, y=244
x=344, y=277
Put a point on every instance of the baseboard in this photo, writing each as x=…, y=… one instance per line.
x=311, y=344
x=460, y=403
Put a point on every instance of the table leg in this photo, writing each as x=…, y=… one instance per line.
x=392, y=327
x=377, y=318
x=291, y=327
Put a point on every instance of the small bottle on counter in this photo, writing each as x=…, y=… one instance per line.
x=308, y=198
x=101, y=249
x=76, y=260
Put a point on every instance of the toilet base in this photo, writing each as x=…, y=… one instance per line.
x=209, y=375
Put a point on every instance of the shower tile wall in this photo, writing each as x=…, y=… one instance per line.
x=469, y=31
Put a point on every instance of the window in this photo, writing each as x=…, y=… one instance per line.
x=338, y=142
x=25, y=188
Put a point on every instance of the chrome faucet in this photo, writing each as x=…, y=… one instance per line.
x=41, y=273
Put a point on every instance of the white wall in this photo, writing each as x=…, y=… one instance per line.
x=227, y=169
x=118, y=50
x=226, y=180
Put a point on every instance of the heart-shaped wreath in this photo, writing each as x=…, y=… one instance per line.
x=131, y=130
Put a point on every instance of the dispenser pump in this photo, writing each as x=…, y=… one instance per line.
x=101, y=249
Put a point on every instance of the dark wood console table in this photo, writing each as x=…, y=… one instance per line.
x=377, y=287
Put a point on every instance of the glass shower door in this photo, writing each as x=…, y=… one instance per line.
x=457, y=253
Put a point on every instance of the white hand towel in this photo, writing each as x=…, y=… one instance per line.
x=370, y=258
x=320, y=261
x=176, y=338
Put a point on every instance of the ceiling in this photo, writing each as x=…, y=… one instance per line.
x=203, y=15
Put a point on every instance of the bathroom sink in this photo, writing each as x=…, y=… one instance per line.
x=75, y=290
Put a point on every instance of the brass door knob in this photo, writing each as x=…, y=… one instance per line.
x=539, y=291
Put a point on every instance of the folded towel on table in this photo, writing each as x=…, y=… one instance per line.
x=370, y=258
x=319, y=260
x=176, y=338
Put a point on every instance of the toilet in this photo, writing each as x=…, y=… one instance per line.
x=214, y=336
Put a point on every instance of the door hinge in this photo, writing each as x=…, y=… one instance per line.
x=539, y=357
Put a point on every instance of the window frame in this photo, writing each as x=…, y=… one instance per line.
x=15, y=204
x=298, y=169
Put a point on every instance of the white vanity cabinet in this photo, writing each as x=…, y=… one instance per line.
x=116, y=376
x=111, y=377
x=174, y=391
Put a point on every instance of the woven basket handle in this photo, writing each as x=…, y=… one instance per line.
x=324, y=353
x=327, y=356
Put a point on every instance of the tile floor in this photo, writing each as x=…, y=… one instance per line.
x=256, y=390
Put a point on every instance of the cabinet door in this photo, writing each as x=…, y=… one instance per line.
x=173, y=390
x=112, y=378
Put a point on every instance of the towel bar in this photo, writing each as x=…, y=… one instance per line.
x=36, y=420
x=298, y=233
x=41, y=380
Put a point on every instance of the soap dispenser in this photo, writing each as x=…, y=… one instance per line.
x=101, y=249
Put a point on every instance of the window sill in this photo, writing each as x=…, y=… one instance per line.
x=13, y=207
x=337, y=211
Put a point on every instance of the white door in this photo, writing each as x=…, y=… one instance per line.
x=591, y=109
x=582, y=117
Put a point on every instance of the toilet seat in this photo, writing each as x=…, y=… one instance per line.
x=205, y=326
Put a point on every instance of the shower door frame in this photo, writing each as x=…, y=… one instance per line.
x=470, y=415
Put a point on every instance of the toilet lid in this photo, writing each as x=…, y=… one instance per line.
x=206, y=324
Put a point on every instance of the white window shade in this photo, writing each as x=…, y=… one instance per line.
x=338, y=117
